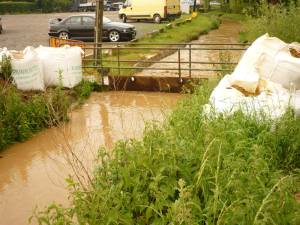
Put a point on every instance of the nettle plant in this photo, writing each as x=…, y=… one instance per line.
x=5, y=67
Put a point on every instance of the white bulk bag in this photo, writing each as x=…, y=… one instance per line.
x=62, y=66
x=265, y=49
x=271, y=103
x=287, y=69
x=27, y=70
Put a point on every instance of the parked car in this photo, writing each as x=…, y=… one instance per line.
x=81, y=27
x=156, y=10
x=118, y=5
x=111, y=7
x=1, y=28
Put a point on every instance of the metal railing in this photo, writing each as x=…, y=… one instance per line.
x=118, y=56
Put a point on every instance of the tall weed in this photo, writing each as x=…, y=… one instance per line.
x=281, y=21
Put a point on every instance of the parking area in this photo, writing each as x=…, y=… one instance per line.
x=32, y=29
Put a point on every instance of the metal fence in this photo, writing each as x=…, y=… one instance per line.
x=118, y=57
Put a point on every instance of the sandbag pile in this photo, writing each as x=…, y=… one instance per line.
x=265, y=82
x=37, y=69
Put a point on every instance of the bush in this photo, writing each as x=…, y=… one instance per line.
x=53, y=5
x=194, y=170
x=23, y=114
x=5, y=68
x=13, y=7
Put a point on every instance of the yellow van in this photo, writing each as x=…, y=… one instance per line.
x=156, y=10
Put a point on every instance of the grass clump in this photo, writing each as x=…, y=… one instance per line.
x=194, y=170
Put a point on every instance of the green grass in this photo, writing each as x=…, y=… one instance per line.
x=183, y=33
x=230, y=16
x=279, y=21
x=193, y=170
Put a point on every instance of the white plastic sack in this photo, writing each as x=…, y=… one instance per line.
x=250, y=67
x=287, y=68
x=272, y=102
x=62, y=66
x=27, y=71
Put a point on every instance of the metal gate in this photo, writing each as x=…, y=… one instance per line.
x=171, y=65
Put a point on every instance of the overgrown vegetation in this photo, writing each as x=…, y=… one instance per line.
x=281, y=21
x=194, y=170
x=26, y=6
x=24, y=113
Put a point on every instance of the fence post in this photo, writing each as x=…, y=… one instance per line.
x=118, y=52
x=190, y=60
x=179, y=63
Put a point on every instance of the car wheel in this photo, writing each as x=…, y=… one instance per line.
x=124, y=18
x=63, y=35
x=156, y=18
x=114, y=36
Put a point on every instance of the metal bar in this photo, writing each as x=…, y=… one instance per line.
x=119, y=70
x=159, y=48
x=148, y=68
x=190, y=60
x=166, y=62
x=155, y=43
x=179, y=64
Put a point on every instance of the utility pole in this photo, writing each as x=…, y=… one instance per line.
x=98, y=32
x=194, y=7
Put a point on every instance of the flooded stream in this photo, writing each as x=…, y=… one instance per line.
x=33, y=173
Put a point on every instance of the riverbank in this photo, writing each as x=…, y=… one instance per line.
x=227, y=170
x=33, y=173
x=25, y=113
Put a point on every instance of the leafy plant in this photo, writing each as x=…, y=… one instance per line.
x=194, y=170
x=5, y=68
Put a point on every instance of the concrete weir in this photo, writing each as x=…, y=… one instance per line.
x=152, y=84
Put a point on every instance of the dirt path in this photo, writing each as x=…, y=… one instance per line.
x=227, y=33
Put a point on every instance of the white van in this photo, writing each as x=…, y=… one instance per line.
x=156, y=10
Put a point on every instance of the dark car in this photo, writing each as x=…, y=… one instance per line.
x=1, y=28
x=81, y=27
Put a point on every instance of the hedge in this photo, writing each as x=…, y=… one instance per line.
x=20, y=7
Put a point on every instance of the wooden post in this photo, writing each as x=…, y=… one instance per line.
x=98, y=32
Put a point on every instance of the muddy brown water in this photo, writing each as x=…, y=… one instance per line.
x=33, y=173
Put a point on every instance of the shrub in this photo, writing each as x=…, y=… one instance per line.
x=23, y=114
x=13, y=7
x=5, y=68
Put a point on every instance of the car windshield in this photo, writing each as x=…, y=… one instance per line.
x=106, y=20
